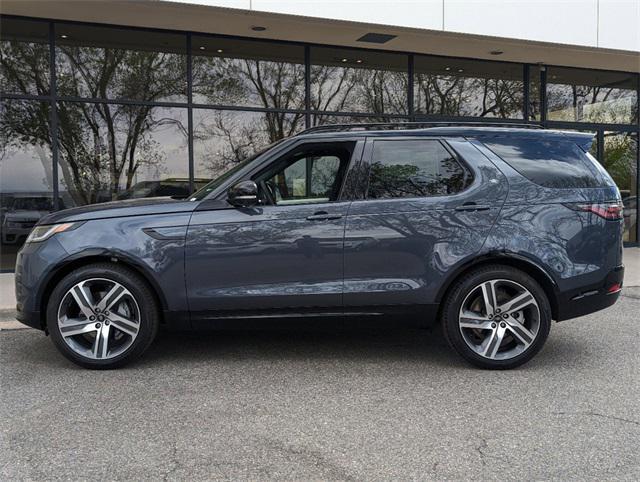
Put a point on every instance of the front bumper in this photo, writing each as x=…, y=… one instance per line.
x=589, y=299
x=34, y=266
x=32, y=319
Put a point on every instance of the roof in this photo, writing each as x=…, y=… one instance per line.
x=472, y=130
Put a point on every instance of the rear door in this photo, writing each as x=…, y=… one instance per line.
x=429, y=205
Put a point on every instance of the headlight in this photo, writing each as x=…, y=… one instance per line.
x=42, y=233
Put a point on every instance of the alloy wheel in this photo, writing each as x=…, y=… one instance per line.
x=98, y=318
x=499, y=319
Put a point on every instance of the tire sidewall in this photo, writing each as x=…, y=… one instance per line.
x=463, y=288
x=143, y=297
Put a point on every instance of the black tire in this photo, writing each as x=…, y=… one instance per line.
x=464, y=286
x=144, y=297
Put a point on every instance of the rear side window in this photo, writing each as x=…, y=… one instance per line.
x=414, y=168
x=556, y=164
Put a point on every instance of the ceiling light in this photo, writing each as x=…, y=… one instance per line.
x=447, y=69
x=460, y=71
x=496, y=52
x=219, y=51
x=258, y=28
x=64, y=36
x=359, y=61
x=201, y=47
x=345, y=60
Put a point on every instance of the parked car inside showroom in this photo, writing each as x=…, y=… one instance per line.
x=492, y=231
x=172, y=187
x=22, y=215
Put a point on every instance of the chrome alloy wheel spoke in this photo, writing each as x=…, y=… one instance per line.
x=519, y=330
x=77, y=327
x=492, y=342
x=517, y=303
x=489, y=297
x=468, y=319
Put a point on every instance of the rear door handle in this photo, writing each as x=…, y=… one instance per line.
x=473, y=207
x=322, y=216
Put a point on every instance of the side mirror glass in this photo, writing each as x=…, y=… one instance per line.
x=243, y=194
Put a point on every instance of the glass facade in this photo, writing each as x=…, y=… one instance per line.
x=468, y=88
x=107, y=151
x=620, y=159
x=578, y=95
x=96, y=113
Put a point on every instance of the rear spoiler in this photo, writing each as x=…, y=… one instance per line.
x=583, y=139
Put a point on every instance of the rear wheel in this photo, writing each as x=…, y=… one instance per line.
x=102, y=316
x=496, y=317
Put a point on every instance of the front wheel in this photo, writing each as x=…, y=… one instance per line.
x=496, y=317
x=102, y=316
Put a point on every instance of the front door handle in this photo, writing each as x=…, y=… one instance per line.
x=322, y=216
x=473, y=207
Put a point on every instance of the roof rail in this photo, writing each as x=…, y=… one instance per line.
x=374, y=126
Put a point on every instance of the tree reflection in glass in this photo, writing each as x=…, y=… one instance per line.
x=466, y=88
x=224, y=138
x=108, y=63
x=24, y=57
x=591, y=96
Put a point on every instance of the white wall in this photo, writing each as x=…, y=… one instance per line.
x=613, y=24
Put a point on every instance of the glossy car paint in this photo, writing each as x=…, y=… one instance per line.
x=266, y=257
x=400, y=251
x=207, y=259
x=148, y=236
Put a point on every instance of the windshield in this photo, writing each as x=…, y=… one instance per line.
x=214, y=184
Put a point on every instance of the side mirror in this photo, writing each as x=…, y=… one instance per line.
x=243, y=194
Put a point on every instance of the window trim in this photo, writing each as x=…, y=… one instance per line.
x=470, y=173
x=280, y=155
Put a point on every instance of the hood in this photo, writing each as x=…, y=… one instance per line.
x=116, y=209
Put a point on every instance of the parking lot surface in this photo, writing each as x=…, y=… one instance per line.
x=328, y=402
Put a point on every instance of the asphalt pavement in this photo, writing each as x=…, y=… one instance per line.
x=328, y=402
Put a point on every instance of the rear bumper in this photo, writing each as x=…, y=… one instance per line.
x=589, y=299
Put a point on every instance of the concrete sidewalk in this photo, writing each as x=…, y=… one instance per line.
x=8, y=299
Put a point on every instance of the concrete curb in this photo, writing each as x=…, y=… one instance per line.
x=8, y=321
x=13, y=325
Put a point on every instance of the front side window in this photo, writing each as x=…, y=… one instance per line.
x=311, y=174
x=414, y=168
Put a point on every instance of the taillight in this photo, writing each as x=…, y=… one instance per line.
x=611, y=211
x=614, y=288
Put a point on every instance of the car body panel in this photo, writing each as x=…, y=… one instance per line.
x=265, y=258
x=119, y=209
x=399, y=251
x=126, y=240
x=207, y=259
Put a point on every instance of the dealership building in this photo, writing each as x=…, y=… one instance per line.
x=123, y=99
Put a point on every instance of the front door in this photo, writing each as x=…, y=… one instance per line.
x=285, y=255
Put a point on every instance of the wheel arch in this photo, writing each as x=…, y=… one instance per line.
x=528, y=266
x=84, y=259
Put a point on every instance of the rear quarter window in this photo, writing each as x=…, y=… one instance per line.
x=556, y=164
